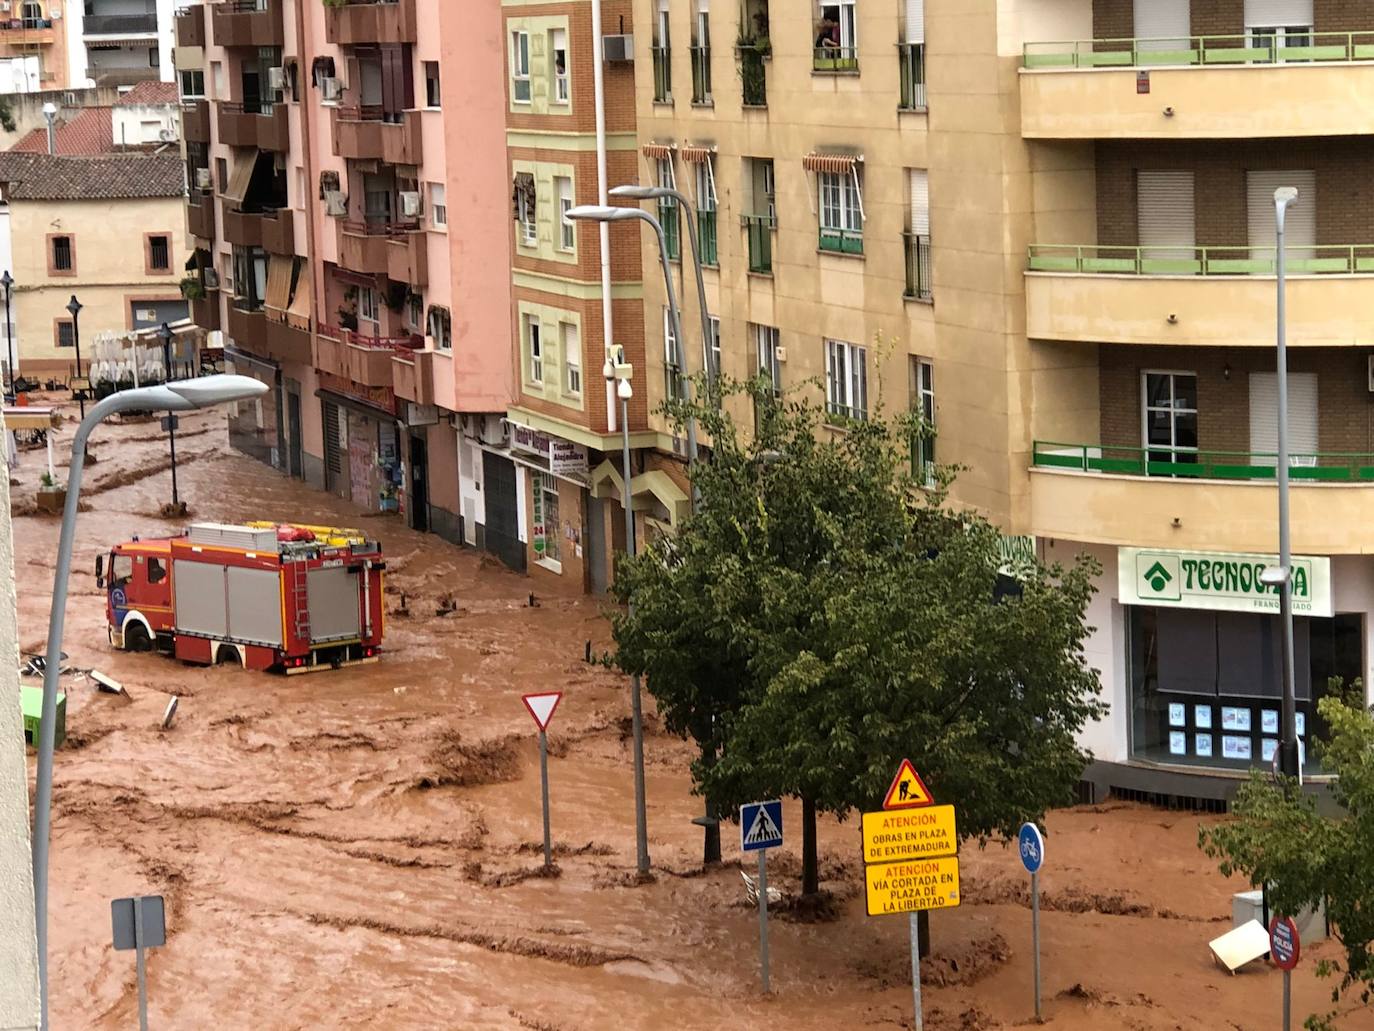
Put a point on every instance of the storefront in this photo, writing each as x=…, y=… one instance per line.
x=556, y=475
x=362, y=448
x=255, y=426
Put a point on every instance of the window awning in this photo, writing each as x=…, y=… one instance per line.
x=278, y=287
x=658, y=151
x=646, y=489
x=298, y=311
x=696, y=155
x=838, y=164
x=241, y=174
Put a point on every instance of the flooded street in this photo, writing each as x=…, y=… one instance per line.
x=362, y=847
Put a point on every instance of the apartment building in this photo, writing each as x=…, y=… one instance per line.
x=33, y=50
x=113, y=42
x=1063, y=253
x=345, y=225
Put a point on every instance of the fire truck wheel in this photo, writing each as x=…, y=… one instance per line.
x=136, y=638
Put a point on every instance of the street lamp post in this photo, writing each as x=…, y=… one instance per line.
x=7, y=281
x=165, y=335
x=1288, y=744
x=181, y=396
x=74, y=306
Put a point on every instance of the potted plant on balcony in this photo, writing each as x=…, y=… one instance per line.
x=192, y=289
x=51, y=495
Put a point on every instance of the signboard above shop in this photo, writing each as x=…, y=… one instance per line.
x=561, y=457
x=1219, y=581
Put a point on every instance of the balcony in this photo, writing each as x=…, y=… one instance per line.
x=286, y=342
x=911, y=64
x=190, y=26
x=241, y=128
x=200, y=215
x=917, y=267
x=371, y=22
x=142, y=24
x=195, y=121
x=205, y=311
x=1124, y=496
x=1217, y=296
x=701, y=75
x=1203, y=87
x=412, y=375
x=835, y=59
x=397, y=251
x=28, y=32
x=273, y=231
x=759, y=229
x=360, y=359
x=361, y=134
x=239, y=23
x=248, y=329
x=663, y=74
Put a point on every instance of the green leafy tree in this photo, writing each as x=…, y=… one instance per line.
x=1279, y=839
x=820, y=618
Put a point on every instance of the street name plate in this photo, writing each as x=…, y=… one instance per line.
x=911, y=885
x=909, y=834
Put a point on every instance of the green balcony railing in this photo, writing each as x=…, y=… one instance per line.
x=1330, y=466
x=663, y=74
x=1342, y=259
x=759, y=229
x=917, y=266
x=911, y=60
x=835, y=59
x=1202, y=50
x=842, y=241
x=701, y=75
x=706, y=237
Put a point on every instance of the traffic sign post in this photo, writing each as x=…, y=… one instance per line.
x=1032, y=847
x=760, y=828
x=541, y=707
x=1286, y=949
x=139, y=923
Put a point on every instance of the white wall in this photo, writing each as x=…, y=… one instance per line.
x=136, y=125
x=18, y=942
x=1352, y=587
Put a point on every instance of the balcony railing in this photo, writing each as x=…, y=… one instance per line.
x=370, y=22
x=1344, y=259
x=917, y=266
x=753, y=71
x=835, y=59
x=1174, y=463
x=911, y=61
x=701, y=75
x=663, y=74
x=842, y=415
x=120, y=24
x=842, y=241
x=1255, y=48
x=401, y=344
x=27, y=31
x=759, y=230
x=706, y=237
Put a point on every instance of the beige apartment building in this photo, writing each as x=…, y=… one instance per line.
x=1049, y=224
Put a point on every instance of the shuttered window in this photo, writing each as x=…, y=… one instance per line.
x=920, y=201
x=1302, y=417
x=1270, y=13
x=915, y=21
x=1165, y=219
x=1300, y=222
x=1163, y=24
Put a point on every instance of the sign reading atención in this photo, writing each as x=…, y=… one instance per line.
x=1219, y=580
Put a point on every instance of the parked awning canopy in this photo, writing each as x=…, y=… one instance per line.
x=298, y=311
x=658, y=150
x=839, y=164
x=696, y=155
x=241, y=174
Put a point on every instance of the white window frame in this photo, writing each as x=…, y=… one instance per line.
x=415, y=312
x=547, y=484
x=572, y=358
x=766, y=344
x=1173, y=449
x=849, y=25
x=520, y=67
x=924, y=390
x=846, y=379
x=667, y=177
x=840, y=196
x=562, y=88
x=369, y=307
x=704, y=184
x=442, y=341
x=671, y=355
x=710, y=355
x=534, y=349
x=438, y=205
x=567, y=230
x=528, y=213
x=770, y=190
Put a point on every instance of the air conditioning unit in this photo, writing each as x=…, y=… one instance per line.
x=618, y=48
x=211, y=279
x=202, y=178
x=276, y=78
x=4, y=5
x=167, y=135
x=335, y=203
x=330, y=89
x=410, y=204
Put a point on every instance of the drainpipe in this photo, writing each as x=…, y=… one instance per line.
x=602, y=197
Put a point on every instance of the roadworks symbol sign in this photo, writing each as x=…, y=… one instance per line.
x=908, y=791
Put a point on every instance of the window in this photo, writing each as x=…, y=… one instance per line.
x=667, y=209
x=1170, y=416
x=66, y=333
x=440, y=327
x=536, y=350
x=918, y=235
x=157, y=572
x=438, y=205
x=192, y=84
x=766, y=351
x=121, y=570
x=222, y=173
x=415, y=312
x=33, y=14
x=672, y=361
x=320, y=69
x=566, y=229
x=547, y=523
x=706, y=211
x=520, y=67
x=837, y=40
x=701, y=53
x=159, y=253
x=558, y=51
x=841, y=212
x=525, y=199
x=432, y=93
x=572, y=357
x=369, y=309
x=923, y=401
x=662, y=54
x=846, y=381
x=217, y=80
x=62, y=258
x=711, y=357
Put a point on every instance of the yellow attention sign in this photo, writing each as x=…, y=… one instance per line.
x=912, y=885
x=909, y=834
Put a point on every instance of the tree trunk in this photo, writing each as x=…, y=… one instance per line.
x=811, y=882
x=923, y=927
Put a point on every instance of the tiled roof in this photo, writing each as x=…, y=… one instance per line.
x=89, y=130
x=106, y=177
x=149, y=94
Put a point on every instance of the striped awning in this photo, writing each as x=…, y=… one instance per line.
x=696, y=155
x=658, y=151
x=841, y=164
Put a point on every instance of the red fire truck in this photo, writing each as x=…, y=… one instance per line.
x=266, y=596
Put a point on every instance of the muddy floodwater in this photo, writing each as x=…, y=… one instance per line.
x=362, y=848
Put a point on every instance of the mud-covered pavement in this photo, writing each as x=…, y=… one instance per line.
x=360, y=848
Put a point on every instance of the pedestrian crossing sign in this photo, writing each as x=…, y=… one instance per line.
x=760, y=826
x=908, y=791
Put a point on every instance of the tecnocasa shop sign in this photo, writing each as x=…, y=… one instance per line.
x=1218, y=580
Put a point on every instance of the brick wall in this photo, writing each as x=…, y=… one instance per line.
x=1113, y=19
x=1345, y=406
x=1218, y=17
x=1344, y=201
x=1343, y=16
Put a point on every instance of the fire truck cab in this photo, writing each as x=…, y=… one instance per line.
x=265, y=596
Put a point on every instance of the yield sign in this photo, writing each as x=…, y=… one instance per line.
x=541, y=706
x=908, y=791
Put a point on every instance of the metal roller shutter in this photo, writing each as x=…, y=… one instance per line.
x=915, y=21
x=1273, y=13
x=332, y=595
x=1165, y=218
x=1300, y=222
x=1264, y=416
x=920, y=201
x=1163, y=24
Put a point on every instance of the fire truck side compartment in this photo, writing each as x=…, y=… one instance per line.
x=254, y=605
x=332, y=594
x=201, y=603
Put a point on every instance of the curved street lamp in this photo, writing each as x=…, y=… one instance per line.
x=74, y=306
x=178, y=396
